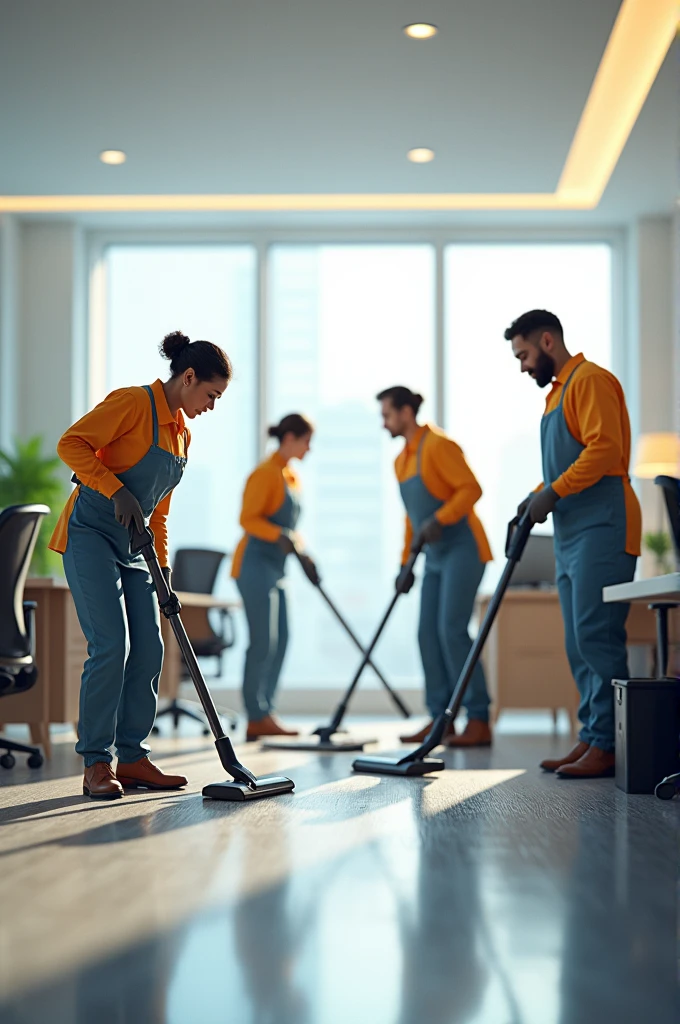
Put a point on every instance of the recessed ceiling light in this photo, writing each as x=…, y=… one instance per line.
x=421, y=30
x=420, y=155
x=112, y=156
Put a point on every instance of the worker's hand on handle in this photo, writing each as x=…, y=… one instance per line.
x=404, y=580
x=127, y=509
x=310, y=570
x=286, y=542
x=524, y=505
x=542, y=503
x=429, y=533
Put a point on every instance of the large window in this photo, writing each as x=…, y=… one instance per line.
x=491, y=409
x=344, y=322
x=338, y=323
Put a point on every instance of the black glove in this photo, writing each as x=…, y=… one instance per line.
x=430, y=532
x=404, y=581
x=310, y=570
x=542, y=503
x=524, y=505
x=127, y=509
x=285, y=543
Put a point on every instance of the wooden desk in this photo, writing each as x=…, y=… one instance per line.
x=60, y=653
x=524, y=657
x=61, y=650
x=194, y=610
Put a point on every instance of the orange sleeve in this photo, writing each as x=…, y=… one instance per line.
x=78, y=447
x=446, y=460
x=259, y=497
x=592, y=409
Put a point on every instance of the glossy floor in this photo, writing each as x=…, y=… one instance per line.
x=490, y=894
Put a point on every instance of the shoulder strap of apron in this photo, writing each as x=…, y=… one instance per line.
x=420, y=450
x=154, y=414
x=566, y=384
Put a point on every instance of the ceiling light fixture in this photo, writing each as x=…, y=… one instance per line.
x=420, y=155
x=112, y=156
x=420, y=30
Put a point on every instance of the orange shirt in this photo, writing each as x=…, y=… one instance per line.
x=448, y=477
x=264, y=495
x=111, y=438
x=596, y=416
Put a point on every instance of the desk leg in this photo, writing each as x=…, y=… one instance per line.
x=40, y=737
x=661, y=638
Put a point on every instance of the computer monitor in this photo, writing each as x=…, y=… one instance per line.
x=537, y=564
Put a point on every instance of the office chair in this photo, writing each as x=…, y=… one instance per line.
x=667, y=789
x=194, y=571
x=19, y=528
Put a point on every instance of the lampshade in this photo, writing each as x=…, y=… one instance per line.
x=657, y=455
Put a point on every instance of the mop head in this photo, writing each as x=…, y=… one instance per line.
x=268, y=785
x=392, y=766
x=316, y=745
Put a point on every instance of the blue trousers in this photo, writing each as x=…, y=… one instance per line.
x=264, y=602
x=450, y=585
x=594, y=632
x=118, y=613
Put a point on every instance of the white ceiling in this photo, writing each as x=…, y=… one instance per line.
x=313, y=96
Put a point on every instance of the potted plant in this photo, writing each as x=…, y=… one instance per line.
x=29, y=477
x=659, y=543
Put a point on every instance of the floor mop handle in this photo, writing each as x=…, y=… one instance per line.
x=518, y=534
x=169, y=604
x=408, y=568
x=357, y=643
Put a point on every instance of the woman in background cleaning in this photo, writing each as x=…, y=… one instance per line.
x=127, y=455
x=269, y=515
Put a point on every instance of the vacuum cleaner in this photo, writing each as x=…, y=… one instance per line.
x=243, y=784
x=329, y=738
x=417, y=762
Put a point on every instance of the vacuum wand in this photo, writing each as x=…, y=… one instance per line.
x=340, y=712
x=517, y=536
x=170, y=606
x=357, y=643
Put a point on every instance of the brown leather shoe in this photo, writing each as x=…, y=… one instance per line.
x=475, y=734
x=419, y=737
x=594, y=764
x=144, y=774
x=100, y=783
x=574, y=754
x=268, y=726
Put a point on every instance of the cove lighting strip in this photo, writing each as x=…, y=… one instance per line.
x=636, y=49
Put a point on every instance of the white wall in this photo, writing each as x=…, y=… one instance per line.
x=9, y=283
x=652, y=386
x=51, y=330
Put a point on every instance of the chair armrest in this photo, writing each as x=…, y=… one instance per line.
x=29, y=619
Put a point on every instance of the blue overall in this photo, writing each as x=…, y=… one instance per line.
x=261, y=584
x=453, y=572
x=590, y=553
x=118, y=612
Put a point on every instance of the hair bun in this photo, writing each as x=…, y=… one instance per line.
x=273, y=431
x=174, y=343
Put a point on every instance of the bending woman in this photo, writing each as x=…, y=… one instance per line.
x=127, y=455
x=271, y=508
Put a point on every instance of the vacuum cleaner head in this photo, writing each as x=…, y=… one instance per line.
x=317, y=745
x=397, y=766
x=268, y=785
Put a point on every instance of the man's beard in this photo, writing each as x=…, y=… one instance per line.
x=544, y=370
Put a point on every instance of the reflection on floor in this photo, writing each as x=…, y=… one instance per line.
x=491, y=894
